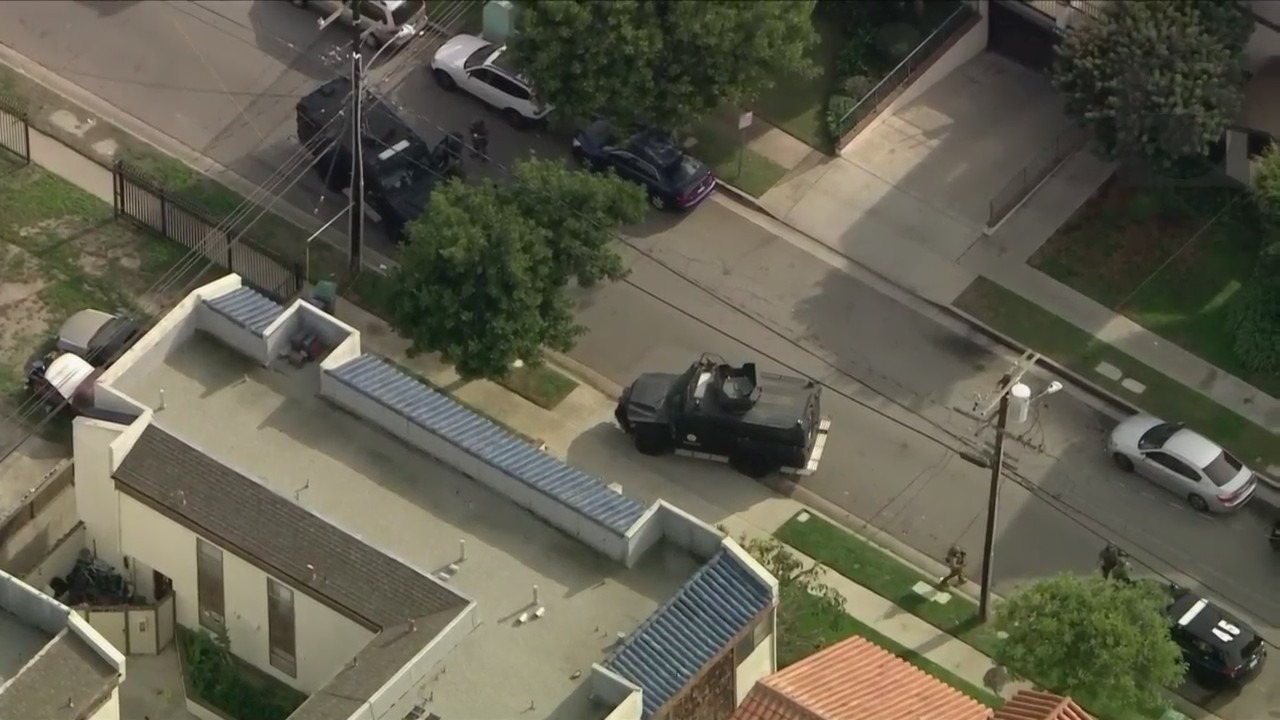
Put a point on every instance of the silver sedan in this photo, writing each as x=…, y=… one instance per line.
x=1183, y=462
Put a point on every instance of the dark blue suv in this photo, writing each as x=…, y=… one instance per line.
x=674, y=179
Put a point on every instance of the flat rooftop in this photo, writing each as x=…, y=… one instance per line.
x=19, y=642
x=271, y=425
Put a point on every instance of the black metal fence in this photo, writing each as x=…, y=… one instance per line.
x=153, y=207
x=15, y=131
x=905, y=70
x=1025, y=181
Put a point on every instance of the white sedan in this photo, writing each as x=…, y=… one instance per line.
x=484, y=70
x=1183, y=462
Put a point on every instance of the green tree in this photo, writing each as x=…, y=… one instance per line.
x=654, y=62
x=1266, y=185
x=1105, y=643
x=811, y=614
x=482, y=278
x=1156, y=81
x=1255, y=317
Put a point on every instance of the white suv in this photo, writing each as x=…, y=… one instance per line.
x=483, y=69
x=381, y=20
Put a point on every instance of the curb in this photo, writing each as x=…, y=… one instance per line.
x=742, y=197
x=585, y=375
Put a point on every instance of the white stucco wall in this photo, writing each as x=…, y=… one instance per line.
x=95, y=490
x=326, y=640
x=759, y=665
x=110, y=710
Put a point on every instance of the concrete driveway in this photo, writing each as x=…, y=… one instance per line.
x=913, y=190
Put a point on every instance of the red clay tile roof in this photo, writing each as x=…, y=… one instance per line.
x=765, y=703
x=1032, y=705
x=857, y=680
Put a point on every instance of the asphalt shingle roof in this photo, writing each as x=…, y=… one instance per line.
x=65, y=680
x=406, y=607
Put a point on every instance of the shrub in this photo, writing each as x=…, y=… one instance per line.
x=1255, y=322
x=895, y=41
x=1266, y=185
x=857, y=86
x=856, y=54
x=837, y=108
x=217, y=680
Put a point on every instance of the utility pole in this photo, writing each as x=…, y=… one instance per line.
x=993, y=500
x=357, y=142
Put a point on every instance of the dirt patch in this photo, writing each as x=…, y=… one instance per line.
x=62, y=251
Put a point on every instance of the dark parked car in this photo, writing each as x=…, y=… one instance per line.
x=675, y=179
x=86, y=343
x=1218, y=647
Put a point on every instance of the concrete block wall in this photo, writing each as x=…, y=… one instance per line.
x=32, y=606
x=303, y=317
x=60, y=558
x=602, y=539
x=232, y=334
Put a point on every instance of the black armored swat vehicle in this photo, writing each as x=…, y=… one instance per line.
x=757, y=422
x=400, y=168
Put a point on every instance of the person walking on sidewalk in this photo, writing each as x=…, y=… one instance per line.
x=1109, y=558
x=479, y=141
x=955, y=567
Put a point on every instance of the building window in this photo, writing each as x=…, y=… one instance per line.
x=753, y=638
x=212, y=604
x=280, y=630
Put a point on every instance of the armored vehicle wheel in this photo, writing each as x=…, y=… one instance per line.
x=652, y=441
x=753, y=465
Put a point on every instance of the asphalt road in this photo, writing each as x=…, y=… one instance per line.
x=223, y=78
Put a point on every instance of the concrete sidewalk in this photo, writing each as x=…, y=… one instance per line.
x=909, y=197
x=1003, y=258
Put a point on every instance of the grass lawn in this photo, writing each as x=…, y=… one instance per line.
x=1124, y=235
x=720, y=146
x=876, y=570
x=1080, y=351
x=797, y=104
x=884, y=575
x=62, y=251
x=271, y=232
x=807, y=625
x=540, y=385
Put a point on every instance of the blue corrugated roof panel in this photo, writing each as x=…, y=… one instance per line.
x=247, y=308
x=386, y=384
x=678, y=641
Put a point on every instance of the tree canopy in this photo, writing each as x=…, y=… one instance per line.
x=482, y=278
x=811, y=614
x=1105, y=643
x=1266, y=185
x=1157, y=81
x=659, y=63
